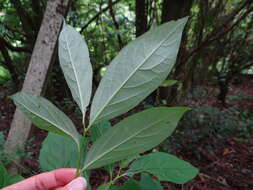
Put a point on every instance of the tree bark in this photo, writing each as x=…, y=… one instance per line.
x=40, y=61
x=141, y=21
x=175, y=9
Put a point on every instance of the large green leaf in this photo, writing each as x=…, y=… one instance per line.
x=147, y=183
x=131, y=184
x=165, y=167
x=98, y=129
x=75, y=63
x=45, y=115
x=137, y=70
x=133, y=135
x=57, y=152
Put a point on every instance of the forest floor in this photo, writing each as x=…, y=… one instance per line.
x=228, y=167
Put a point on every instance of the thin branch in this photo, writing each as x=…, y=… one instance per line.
x=8, y=62
x=13, y=29
x=116, y=24
x=217, y=34
x=98, y=14
x=13, y=48
x=24, y=17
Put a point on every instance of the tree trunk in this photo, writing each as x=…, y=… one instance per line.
x=141, y=21
x=175, y=9
x=172, y=10
x=223, y=87
x=40, y=61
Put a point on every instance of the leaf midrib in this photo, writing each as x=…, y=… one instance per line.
x=75, y=74
x=131, y=74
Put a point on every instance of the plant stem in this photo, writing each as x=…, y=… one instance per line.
x=85, y=130
x=78, y=168
x=117, y=177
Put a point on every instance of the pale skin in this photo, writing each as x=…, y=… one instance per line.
x=61, y=179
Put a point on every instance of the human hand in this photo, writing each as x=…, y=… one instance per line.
x=61, y=179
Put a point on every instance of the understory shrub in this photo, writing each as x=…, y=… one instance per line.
x=137, y=71
x=205, y=125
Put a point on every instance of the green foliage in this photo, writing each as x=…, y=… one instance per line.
x=75, y=63
x=2, y=141
x=148, y=183
x=168, y=83
x=45, y=115
x=135, y=134
x=165, y=167
x=206, y=124
x=97, y=130
x=6, y=159
x=240, y=96
x=4, y=75
x=6, y=178
x=137, y=70
x=63, y=150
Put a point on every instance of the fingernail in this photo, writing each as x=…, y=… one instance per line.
x=77, y=184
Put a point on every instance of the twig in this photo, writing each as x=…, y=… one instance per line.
x=212, y=178
x=209, y=38
x=116, y=24
x=13, y=48
x=98, y=14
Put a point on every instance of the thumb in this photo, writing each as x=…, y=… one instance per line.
x=77, y=184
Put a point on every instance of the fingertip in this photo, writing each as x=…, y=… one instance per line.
x=79, y=183
x=64, y=175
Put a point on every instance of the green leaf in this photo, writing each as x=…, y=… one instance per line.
x=45, y=115
x=4, y=75
x=131, y=184
x=3, y=176
x=137, y=71
x=98, y=129
x=86, y=175
x=133, y=135
x=57, y=152
x=165, y=167
x=75, y=63
x=109, y=187
x=7, y=179
x=14, y=179
x=168, y=83
x=147, y=183
x=124, y=163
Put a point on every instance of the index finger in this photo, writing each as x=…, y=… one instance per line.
x=45, y=181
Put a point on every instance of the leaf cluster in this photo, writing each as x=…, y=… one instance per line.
x=132, y=75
